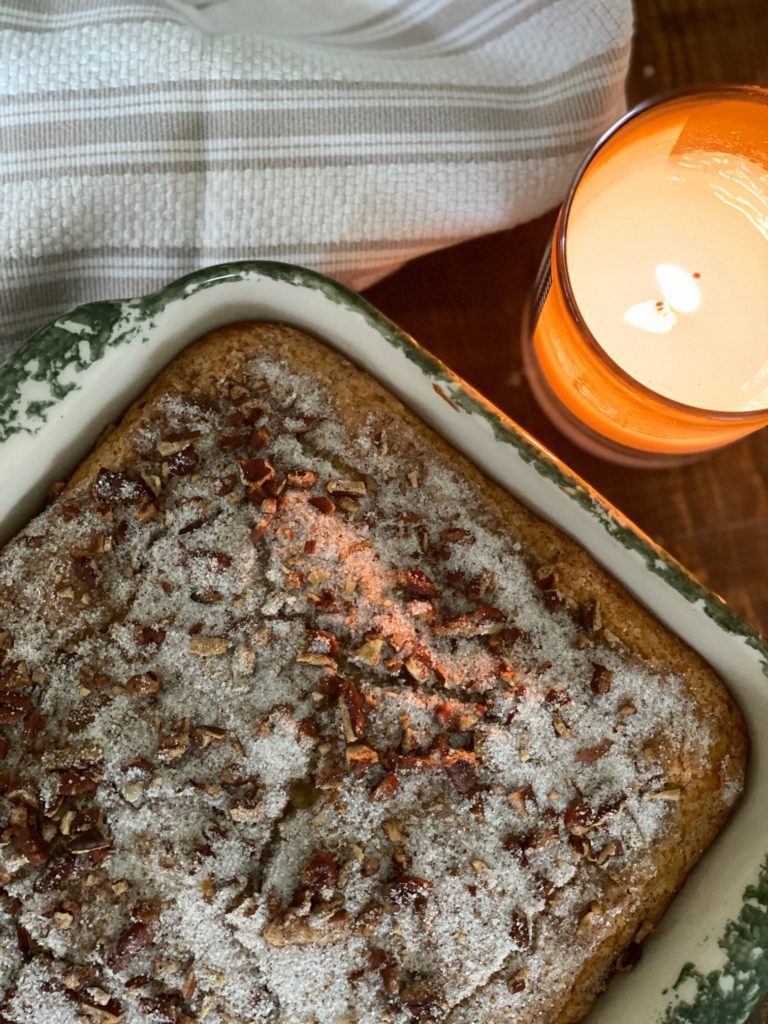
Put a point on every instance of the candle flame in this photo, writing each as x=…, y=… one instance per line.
x=652, y=316
x=678, y=287
x=681, y=295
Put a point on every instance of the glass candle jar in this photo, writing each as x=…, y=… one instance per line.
x=647, y=336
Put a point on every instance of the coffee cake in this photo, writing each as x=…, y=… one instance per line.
x=303, y=719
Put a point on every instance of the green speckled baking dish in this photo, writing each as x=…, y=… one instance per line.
x=708, y=963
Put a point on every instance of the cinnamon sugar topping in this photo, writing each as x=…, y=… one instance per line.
x=321, y=745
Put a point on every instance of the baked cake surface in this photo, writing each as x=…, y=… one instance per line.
x=303, y=720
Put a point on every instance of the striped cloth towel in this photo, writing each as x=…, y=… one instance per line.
x=142, y=139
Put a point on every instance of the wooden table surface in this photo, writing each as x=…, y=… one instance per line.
x=464, y=304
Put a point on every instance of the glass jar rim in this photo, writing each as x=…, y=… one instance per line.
x=663, y=99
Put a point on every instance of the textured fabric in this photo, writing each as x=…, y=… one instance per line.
x=142, y=139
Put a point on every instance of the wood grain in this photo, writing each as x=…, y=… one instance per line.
x=465, y=304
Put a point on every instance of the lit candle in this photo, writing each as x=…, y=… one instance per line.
x=655, y=331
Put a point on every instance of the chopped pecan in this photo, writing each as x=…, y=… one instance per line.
x=321, y=873
x=217, y=561
x=292, y=930
x=184, y=462
x=455, y=535
x=59, y=870
x=393, y=830
x=347, y=504
x=370, y=650
x=478, y=622
x=520, y=930
x=259, y=438
x=84, y=568
x=143, y=684
x=523, y=800
x=14, y=706
x=613, y=848
x=34, y=725
x=113, y=488
x=109, y=1012
x=361, y=757
x=517, y=846
x=422, y=610
x=415, y=763
x=418, y=667
x=316, y=659
x=16, y=674
x=224, y=485
x=546, y=577
x=168, y=448
x=352, y=710
x=90, y=841
x=204, y=735
x=304, y=479
x=321, y=642
x=390, y=979
x=560, y=726
x=542, y=837
x=379, y=958
x=416, y=582
x=518, y=982
x=274, y=488
x=557, y=696
x=346, y=488
x=594, y=753
x=368, y=919
x=148, y=635
x=250, y=412
x=147, y=910
x=591, y=616
x=602, y=678
x=386, y=789
x=461, y=768
x=408, y=890
x=504, y=640
x=207, y=646
x=480, y=585
x=249, y=809
x=136, y=938
x=580, y=844
x=580, y=817
x=174, y=743
x=189, y=986
x=255, y=472
x=325, y=603
x=332, y=778
x=466, y=717
x=322, y=504
x=259, y=531
x=75, y=783
x=422, y=1002
x=231, y=442
x=26, y=836
x=370, y=867
x=672, y=794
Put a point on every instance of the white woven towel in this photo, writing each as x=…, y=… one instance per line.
x=141, y=139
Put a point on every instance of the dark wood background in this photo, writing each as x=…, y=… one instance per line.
x=464, y=304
